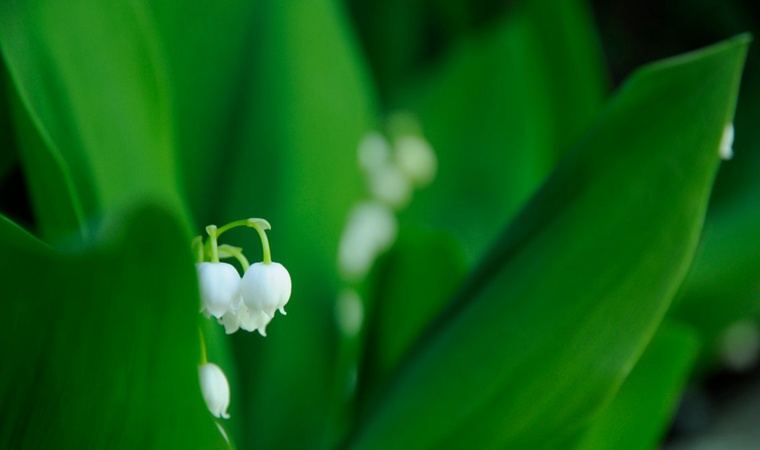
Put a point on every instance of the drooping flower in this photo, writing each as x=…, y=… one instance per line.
x=219, y=288
x=215, y=389
x=266, y=287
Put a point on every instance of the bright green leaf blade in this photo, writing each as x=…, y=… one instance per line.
x=564, y=40
x=722, y=286
x=571, y=295
x=97, y=92
x=642, y=410
x=486, y=112
x=423, y=265
x=208, y=77
x=308, y=106
x=105, y=342
x=55, y=202
x=515, y=97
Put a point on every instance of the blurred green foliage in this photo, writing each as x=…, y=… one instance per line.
x=526, y=301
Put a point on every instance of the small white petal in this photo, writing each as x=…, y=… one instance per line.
x=219, y=287
x=727, y=142
x=250, y=321
x=416, y=159
x=231, y=321
x=215, y=389
x=265, y=287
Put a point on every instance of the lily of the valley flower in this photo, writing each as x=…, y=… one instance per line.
x=248, y=303
x=266, y=287
x=215, y=389
x=219, y=288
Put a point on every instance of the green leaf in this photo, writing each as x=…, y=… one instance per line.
x=55, y=203
x=103, y=341
x=208, y=77
x=721, y=287
x=515, y=96
x=424, y=265
x=309, y=102
x=545, y=332
x=7, y=144
x=642, y=410
x=97, y=95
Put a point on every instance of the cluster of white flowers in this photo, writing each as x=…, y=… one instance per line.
x=394, y=165
x=249, y=302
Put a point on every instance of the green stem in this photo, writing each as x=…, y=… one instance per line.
x=212, y=235
x=198, y=249
x=204, y=358
x=260, y=225
x=237, y=254
x=231, y=225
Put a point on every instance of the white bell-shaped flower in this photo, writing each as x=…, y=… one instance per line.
x=416, y=159
x=219, y=287
x=215, y=389
x=266, y=287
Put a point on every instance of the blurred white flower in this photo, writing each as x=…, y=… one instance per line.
x=266, y=287
x=727, y=142
x=215, y=389
x=416, y=159
x=740, y=345
x=349, y=312
x=390, y=185
x=370, y=230
x=374, y=152
x=219, y=288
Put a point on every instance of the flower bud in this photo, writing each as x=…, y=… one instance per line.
x=219, y=288
x=215, y=389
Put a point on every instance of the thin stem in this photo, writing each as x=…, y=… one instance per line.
x=225, y=251
x=198, y=249
x=204, y=358
x=231, y=225
x=212, y=235
x=260, y=225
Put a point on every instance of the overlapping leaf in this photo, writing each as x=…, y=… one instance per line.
x=565, y=304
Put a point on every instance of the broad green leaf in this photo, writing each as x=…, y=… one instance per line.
x=7, y=144
x=55, y=202
x=208, y=76
x=550, y=325
x=308, y=104
x=722, y=286
x=102, y=345
x=515, y=97
x=642, y=410
x=423, y=265
x=563, y=39
x=97, y=94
